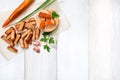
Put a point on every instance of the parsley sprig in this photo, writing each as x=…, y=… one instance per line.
x=47, y=39
x=55, y=15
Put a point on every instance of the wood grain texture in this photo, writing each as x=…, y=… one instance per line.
x=13, y=69
x=40, y=66
x=101, y=35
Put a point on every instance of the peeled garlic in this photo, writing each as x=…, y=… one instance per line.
x=36, y=49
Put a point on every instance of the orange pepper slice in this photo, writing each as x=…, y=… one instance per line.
x=44, y=15
x=49, y=22
x=42, y=23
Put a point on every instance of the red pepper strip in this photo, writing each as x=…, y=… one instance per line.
x=19, y=10
x=42, y=23
x=44, y=15
x=49, y=22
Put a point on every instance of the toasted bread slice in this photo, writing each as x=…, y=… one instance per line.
x=26, y=45
x=20, y=26
x=21, y=43
x=25, y=34
x=37, y=33
x=29, y=36
x=12, y=44
x=9, y=31
x=34, y=35
x=30, y=25
x=30, y=20
x=12, y=49
x=13, y=35
x=22, y=31
x=17, y=38
x=8, y=36
x=5, y=39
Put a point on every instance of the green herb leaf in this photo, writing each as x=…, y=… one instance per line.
x=46, y=34
x=51, y=40
x=54, y=15
x=47, y=47
x=43, y=39
x=47, y=39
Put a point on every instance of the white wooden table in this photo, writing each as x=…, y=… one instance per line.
x=104, y=40
x=72, y=53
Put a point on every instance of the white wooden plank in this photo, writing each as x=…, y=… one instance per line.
x=73, y=44
x=40, y=66
x=116, y=42
x=101, y=25
x=33, y=67
x=13, y=69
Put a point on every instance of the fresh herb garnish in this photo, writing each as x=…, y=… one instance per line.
x=44, y=39
x=54, y=15
x=47, y=47
x=47, y=39
x=51, y=40
x=46, y=33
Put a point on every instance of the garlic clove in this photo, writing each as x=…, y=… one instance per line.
x=36, y=43
x=36, y=49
